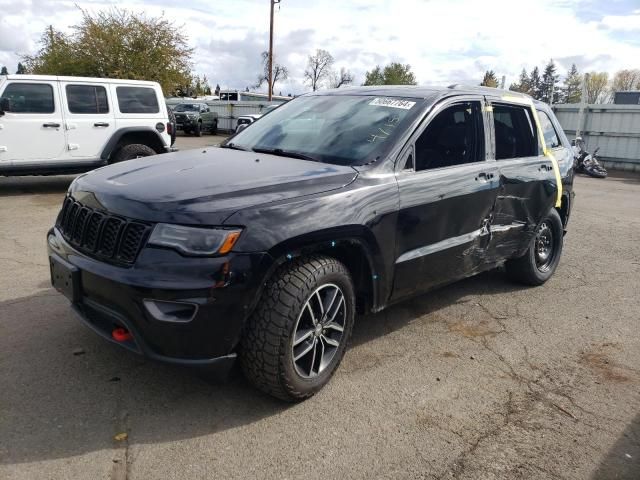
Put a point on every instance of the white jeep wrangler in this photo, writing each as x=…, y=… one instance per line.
x=56, y=125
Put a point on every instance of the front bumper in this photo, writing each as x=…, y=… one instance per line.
x=183, y=123
x=221, y=291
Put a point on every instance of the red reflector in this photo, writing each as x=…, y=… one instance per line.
x=121, y=335
x=169, y=129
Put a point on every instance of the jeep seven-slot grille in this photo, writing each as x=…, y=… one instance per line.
x=101, y=235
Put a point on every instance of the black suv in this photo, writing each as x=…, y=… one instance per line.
x=337, y=202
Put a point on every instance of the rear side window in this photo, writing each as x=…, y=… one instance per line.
x=551, y=138
x=515, y=132
x=455, y=136
x=87, y=99
x=137, y=100
x=30, y=98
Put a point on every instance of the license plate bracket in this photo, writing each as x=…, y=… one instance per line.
x=65, y=278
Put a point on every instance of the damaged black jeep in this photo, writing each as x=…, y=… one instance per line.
x=337, y=202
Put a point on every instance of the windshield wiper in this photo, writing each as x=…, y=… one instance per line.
x=286, y=153
x=233, y=146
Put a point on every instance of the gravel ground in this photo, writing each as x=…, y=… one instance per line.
x=479, y=380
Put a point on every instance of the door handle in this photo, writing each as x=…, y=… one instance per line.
x=484, y=176
x=545, y=168
x=51, y=125
x=101, y=124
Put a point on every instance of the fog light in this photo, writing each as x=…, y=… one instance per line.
x=175, y=312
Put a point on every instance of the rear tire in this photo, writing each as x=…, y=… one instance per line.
x=540, y=261
x=134, y=150
x=287, y=350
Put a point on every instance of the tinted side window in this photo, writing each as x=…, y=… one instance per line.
x=87, y=99
x=454, y=137
x=30, y=98
x=551, y=138
x=137, y=100
x=515, y=132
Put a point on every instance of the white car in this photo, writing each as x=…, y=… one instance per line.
x=249, y=119
x=54, y=125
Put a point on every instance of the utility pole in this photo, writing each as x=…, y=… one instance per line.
x=583, y=101
x=270, y=81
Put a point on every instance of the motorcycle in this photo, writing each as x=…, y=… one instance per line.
x=585, y=162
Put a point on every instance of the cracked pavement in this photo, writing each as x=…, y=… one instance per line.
x=482, y=379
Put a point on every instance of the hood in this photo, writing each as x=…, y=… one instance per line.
x=203, y=186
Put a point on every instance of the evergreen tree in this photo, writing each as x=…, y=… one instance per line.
x=535, y=84
x=522, y=85
x=549, y=92
x=4, y=71
x=21, y=69
x=573, y=86
x=490, y=79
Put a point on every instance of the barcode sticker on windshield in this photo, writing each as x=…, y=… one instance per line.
x=393, y=103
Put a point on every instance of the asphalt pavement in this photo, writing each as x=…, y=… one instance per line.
x=482, y=379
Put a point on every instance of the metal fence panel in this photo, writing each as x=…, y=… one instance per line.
x=228, y=112
x=613, y=128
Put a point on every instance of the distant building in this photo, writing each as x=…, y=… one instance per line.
x=631, y=97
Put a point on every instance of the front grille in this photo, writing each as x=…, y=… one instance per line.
x=101, y=235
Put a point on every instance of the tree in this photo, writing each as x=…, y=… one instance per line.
x=549, y=93
x=523, y=85
x=535, y=84
x=393, y=74
x=280, y=72
x=490, y=79
x=573, y=86
x=374, y=77
x=4, y=71
x=21, y=69
x=217, y=90
x=344, y=77
x=318, y=68
x=597, y=87
x=117, y=43
x=626, y=80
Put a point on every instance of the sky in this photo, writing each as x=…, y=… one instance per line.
x=444, y=41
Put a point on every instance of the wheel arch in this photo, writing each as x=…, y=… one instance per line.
x=130, y=135
x=355, y=247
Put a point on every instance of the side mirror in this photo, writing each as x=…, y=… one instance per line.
x=241, y=127
x=5, y=105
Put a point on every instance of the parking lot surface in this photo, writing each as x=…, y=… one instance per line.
x=482, y=379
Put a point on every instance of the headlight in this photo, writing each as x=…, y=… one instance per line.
x=193, y=240
x=192, y=115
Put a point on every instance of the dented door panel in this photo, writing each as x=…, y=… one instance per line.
x=443, y=225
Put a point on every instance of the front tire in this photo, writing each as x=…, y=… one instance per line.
x=197, y=131
x=297, y=336
x=135, y=150
x=540, y=261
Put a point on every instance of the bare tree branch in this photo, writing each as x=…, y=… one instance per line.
x=318, y=68
x=344, y=77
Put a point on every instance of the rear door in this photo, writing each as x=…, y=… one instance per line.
x=447, y=190
x=31, y=130
x=89, y=118
x=527, y=181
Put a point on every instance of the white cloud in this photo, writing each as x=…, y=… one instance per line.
x=625, y=23
x=445, y=41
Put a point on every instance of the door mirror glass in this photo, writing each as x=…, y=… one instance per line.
x=242, y=127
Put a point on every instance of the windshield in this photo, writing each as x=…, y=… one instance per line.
x=187, y=107
x=338, y=129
